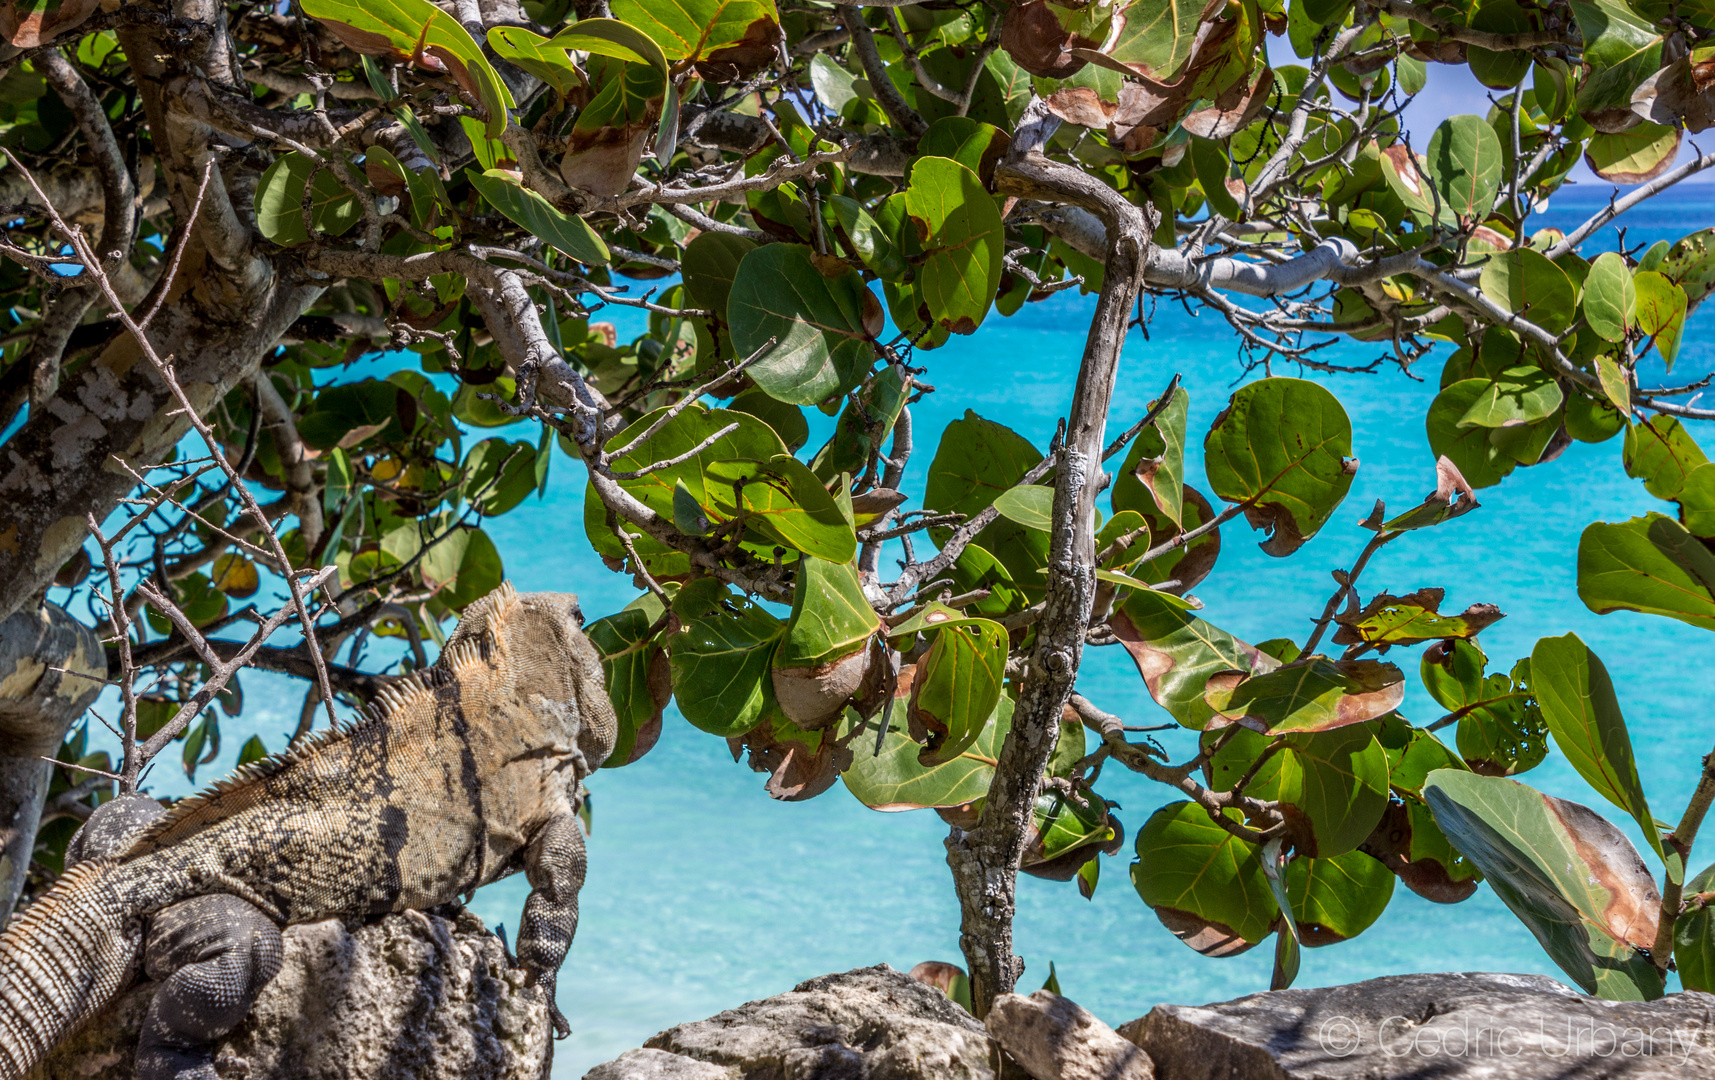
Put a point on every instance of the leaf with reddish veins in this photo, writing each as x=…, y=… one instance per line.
x=1411, y=620
x=1310, y=694
x=1176, y=653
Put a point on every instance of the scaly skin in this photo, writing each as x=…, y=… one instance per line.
x=463, y=775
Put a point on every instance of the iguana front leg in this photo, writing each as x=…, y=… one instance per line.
x=554, y=863
x=212, y=956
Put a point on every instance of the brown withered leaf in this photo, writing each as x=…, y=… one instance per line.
x=814, y=697
x=1411, y=619
x=1234, y=110
x=603, y=161
x=1033, y=37
x=1390, y=845
x=749, y=55
x=1313, y=693
x=1452, y=497
x=800, y=764
x=28, y=24
x=1204, y=935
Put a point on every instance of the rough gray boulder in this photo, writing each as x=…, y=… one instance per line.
x=404, y=997
x=1445, y=1026
x=1055, y=1038
x=869, y=1024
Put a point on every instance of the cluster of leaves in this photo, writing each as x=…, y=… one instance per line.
x=832, y=190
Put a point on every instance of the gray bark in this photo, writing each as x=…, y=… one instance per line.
x=37, y=706
x=984, y=860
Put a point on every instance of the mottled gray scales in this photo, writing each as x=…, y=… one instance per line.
x=460, y=776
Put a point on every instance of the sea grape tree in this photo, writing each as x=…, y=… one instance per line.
x=822, y=196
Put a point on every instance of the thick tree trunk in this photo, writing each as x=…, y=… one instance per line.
x=984, y=860
x=37, y=705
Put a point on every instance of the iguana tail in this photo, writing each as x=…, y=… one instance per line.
x=60, y=961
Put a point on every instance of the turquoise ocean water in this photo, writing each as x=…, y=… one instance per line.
x=704, y=893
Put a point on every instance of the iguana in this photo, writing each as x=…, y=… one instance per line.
x=457, y=776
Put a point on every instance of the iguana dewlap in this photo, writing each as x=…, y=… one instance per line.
x=460, y=775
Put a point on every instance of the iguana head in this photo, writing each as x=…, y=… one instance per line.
x=539, y=637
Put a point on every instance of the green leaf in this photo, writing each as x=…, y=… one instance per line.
x=825, y=654
x=1158, y=37
x=1690, y=264
x=783, y=498
x=699, y=29
x=1661, y=312
x=1621, y=50
x=956, y=687
x=1176, y=653
x=960, y=235
x=546, y=59
x=611, y=133
x=1205, y=885
x=1412, y=754
x=1662, y=454
x=1287, y=951
x=1502, y=733
x=895, y=779
x=1525, y=283
x=1060, y=826
x=1694, y=935
x=1031, y=505
x=1282, y=446
x=1452, y=672
x=751, y=439
x=280, y=201
x=1411, y=620
x=252, y=750
x=1515, y=397
x=1337, y=779
x=418, y=32
x=830, y=619
x=1311, y=694
x=463, y=568
x=720, y=657
x=1572, y=878
x=1464, y=162
x=498, y=475
x=975, y=145
x=566, y=233
x=823, y=326
x=1479, y=461
x=711, y=263
x=614, y=39
x=976, y=461
x=1649, y=564
x=1577, y=699
x=1155, y=463
x=1209, y=161
x=833, y=84
x=639, y=678
x=1337, y=899
x=1635, y=156
x=869, y=241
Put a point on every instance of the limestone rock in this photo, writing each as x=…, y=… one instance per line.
x=869, y=1024
x=405, y=997
x=1053, y=1038
x=647, y=1064
x=1447, y=1026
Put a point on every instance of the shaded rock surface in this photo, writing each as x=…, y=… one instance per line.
x=405, y=997
x=869, y=1024
x=1055, y=1038
x=1441, y=1026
